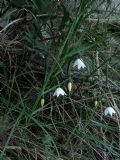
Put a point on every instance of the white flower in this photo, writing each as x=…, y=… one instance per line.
x=79, y=63
x=110, y=111
x=59, y=91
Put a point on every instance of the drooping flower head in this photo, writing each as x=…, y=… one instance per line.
x=59, y=91
x=79, y=64
x=109, y=111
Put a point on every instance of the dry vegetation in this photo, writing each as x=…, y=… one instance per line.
x=39, y=42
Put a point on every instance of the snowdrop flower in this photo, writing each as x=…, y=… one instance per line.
x=59, y=91
x=109, y=111
x=79, y=63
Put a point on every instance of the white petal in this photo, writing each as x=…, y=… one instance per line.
x=54, y=94
x=82, y=63
x=106, y=112
x=57, y=94
x=62, y=92
x=75, y=64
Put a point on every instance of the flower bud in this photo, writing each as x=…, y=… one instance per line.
x=96, y=103
x=42, y=102
x=69, y=86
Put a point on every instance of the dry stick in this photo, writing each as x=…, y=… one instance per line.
x=115, y=107
x=14, y=148
x=118, y=112
x=104, y=20
x=101, y=20
x=11, y=23
x=101, y=117
x=45, y=15
x=89, y=19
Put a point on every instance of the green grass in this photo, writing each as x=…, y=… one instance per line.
x=36, y=56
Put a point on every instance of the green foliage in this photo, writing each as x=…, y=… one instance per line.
x=40, y=39
x=41, y=5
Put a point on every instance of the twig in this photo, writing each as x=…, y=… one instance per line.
x=104, y=20
x=11, y=23
x=101, y=117
x=118, y=112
